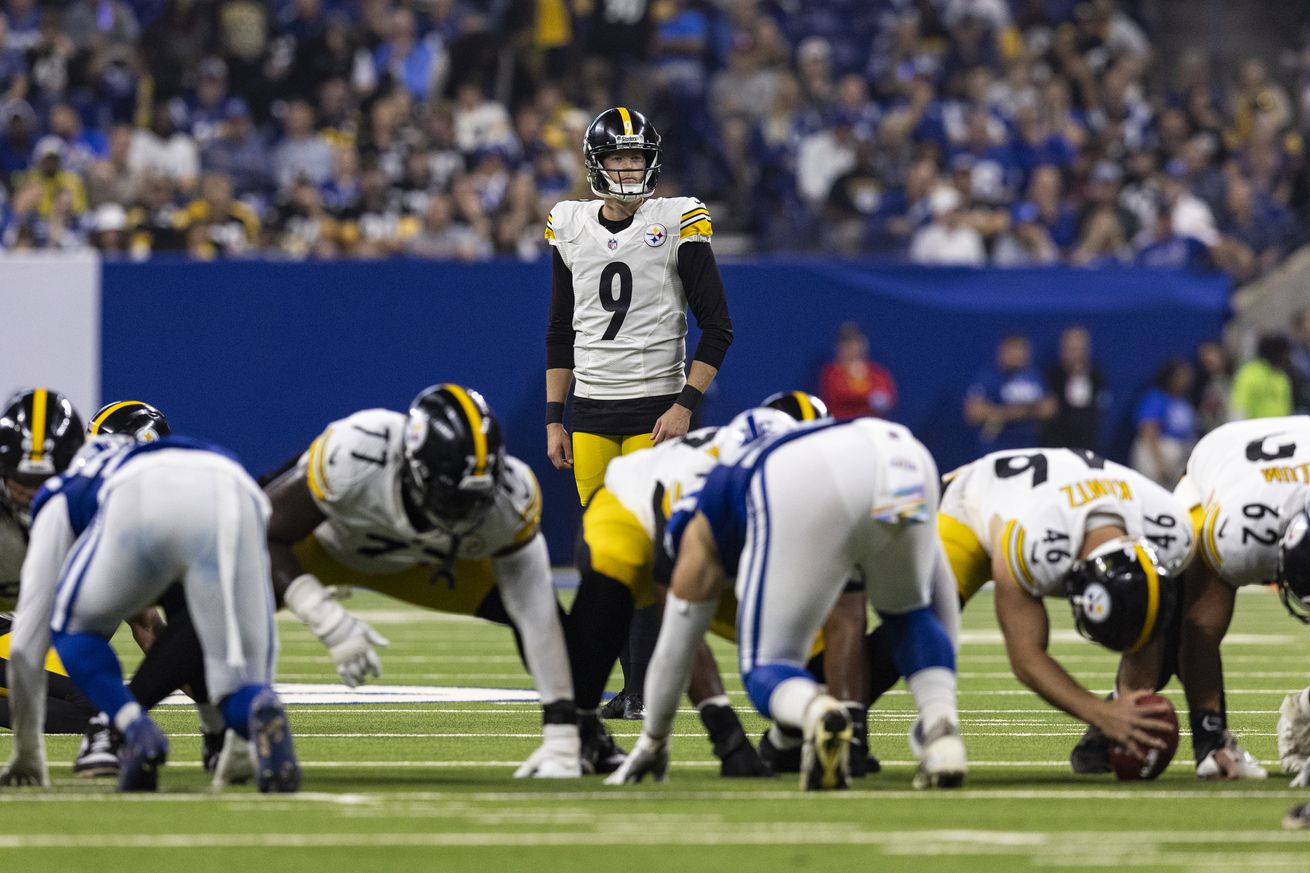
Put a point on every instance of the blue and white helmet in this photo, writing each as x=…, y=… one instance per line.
x=737, y=436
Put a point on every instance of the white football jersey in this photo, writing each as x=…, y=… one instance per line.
x=1043, y=502
x=629, y=306
x=353, y=470
x=1245, y=482
x=649, y=482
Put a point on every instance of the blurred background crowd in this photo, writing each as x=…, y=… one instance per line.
x=1008, y=132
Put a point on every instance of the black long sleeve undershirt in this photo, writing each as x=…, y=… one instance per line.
x=701, y=283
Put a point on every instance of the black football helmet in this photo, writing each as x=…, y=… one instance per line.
x=1294, y=567
x=40, y=431
x=616, y=130
x=1121, y=596
x=454, y=455
x=135, y=418
x=798, y=404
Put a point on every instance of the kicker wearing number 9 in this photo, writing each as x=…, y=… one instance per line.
x=626, y=269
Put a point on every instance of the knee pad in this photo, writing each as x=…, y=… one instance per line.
x=761, y=680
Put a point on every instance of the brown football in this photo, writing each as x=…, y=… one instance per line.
x=1130, y=767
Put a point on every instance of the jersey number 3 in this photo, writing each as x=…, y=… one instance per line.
x=612, y=301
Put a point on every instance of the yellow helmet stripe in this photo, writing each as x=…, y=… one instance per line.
x=807, y=408
x=627, y=120
x=1152, y=596
x=39, y=399
x=475, y=425
x=99, y=421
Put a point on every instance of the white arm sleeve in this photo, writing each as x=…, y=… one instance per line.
x=524, y=580
x=51, y=538
x=669, y=672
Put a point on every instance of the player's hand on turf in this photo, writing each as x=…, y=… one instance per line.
x=648, y=756
x=674, y=423
x=559, y=448
x=1302, y=779
x=1126, y=721
x=25, y=770
x=356, y=656
x=558, y=756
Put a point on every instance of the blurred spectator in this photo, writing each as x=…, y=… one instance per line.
x=1166, y=249
x=302, y=153
x=114, y=179
x=823, y=156
x=479, y=123
x=1008, y=401
x=1262, y=387
x=1027, y=243
x=445, y=238
x=947, y=240
x=217, y=224
x=53, y=180
x=1213, y=387
x=109, y=233
x=1166, y=425
x=406, y=59
x=239, y=152
x=82, y=147
x=1080, y=392
x=165, y=149
x=852, y=384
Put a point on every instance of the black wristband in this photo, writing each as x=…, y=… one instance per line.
x=1208, y=727
x=554, y=412
x=690, y=396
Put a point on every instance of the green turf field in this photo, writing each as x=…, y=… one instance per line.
x=427, y=786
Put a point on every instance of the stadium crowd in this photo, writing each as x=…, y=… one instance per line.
x=947, y=131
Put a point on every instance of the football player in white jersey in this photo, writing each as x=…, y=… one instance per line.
x=626, y=268
x=1247, y=486
x=1068, y=523
x=426, y=508
x=622, y=565
x=794, y=518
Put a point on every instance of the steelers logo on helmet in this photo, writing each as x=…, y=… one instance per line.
x=1095, y=603
x=454, y=455
x=800, y=405
x=1293, y=575
x=622, y=130
x=1120, y=595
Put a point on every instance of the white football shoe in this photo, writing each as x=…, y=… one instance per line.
x=1247, y=766
x=826, y=749
x=236, y=762
x=940, y=750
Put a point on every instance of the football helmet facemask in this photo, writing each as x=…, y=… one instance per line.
x=135, y=418
x=454, y=455
x=1120, y=595
x=617, y=130
x=40, y=431
x=1294, y=567
x=798, y=404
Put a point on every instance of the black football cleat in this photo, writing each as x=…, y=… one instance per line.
x=600, y=754
x=100, y=749
x=1091, y=754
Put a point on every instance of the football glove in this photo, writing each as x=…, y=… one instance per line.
x=648, y=756
x=558, y=756
x=1294, y=732
x=26, y=769
x=349, y=640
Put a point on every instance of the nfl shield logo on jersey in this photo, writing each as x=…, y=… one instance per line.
x=655, y=235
